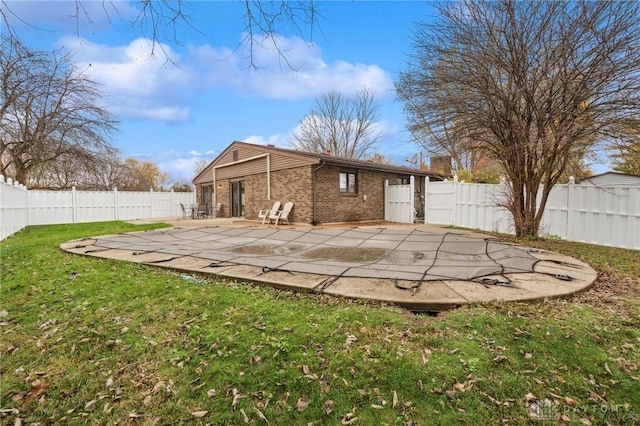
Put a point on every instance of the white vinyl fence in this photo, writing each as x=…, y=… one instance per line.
x=399, y=202
x=20, y=207
x=608, y=216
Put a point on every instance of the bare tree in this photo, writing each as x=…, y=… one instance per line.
x=49, y=113
x=626, y=153
x=163, y=21
x=342, y=126
x=535, y=84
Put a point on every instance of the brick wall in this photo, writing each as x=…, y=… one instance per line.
x=334, y=206
x=296, y=185
x=286, y=185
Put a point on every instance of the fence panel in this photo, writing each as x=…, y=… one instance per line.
x=48, y=207
x=439, y=203
x=134, y=205
x=14, y=208
x=94, y=206
x=399, y=202
x=607, y=216
x=20, y=208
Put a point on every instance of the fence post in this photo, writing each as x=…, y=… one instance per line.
x=116, y=204
x=412, y=197
x=426, y=194
x=74, y=205
x=571, y=187
x=456, y=196
x=386, y=199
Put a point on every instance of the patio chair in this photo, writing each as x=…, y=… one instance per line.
x=217, y=209
x=283, y=215
x=267, y=214
x=184, y=211
x=202, y=211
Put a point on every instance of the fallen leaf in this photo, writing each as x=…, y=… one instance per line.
x=324, y=386
x=302, y=404
x=328, y=407
x=136, y=415
x=348, y=419
x=570, y=401
x=91, y=405
x=237, y=396
x=211, y=393
x=395, y=399
x=197, y=387
x=245, y=418
x=37, y=388
x=499, y=359
x=199, y=414
x=259, y=413
x=350, y=339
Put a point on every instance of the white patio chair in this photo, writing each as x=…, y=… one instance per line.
x=283, y=215
x=217, y=210
x=268, y=214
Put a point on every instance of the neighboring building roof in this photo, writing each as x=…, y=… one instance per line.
x=318, y=158
x=612, y=179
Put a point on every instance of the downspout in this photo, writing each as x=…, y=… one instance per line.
x=314, y=219
x=215, y=189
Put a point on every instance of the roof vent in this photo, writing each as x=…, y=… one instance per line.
x=270, y=145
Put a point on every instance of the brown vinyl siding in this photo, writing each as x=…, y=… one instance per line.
x=278, y=161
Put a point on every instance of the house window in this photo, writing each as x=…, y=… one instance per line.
x=404, y=181
x=349, y=182
x=235, y=155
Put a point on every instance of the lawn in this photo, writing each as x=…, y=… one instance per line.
x=98, y=341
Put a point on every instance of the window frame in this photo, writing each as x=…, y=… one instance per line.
x=350, y=180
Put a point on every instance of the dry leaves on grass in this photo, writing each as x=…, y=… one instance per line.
x=38, y=387
x=302, y=404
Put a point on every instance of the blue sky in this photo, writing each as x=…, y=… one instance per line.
x=175, y=114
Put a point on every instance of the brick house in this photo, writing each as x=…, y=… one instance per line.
x=246, y=178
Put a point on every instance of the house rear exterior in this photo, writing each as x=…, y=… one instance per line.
x=246, y=178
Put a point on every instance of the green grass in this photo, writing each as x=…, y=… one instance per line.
x=97, y=341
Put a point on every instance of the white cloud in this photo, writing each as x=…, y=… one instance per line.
x=180, y=165
x=136, y=78
x=279, y=140
x=143, y=80
x=301, y=73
